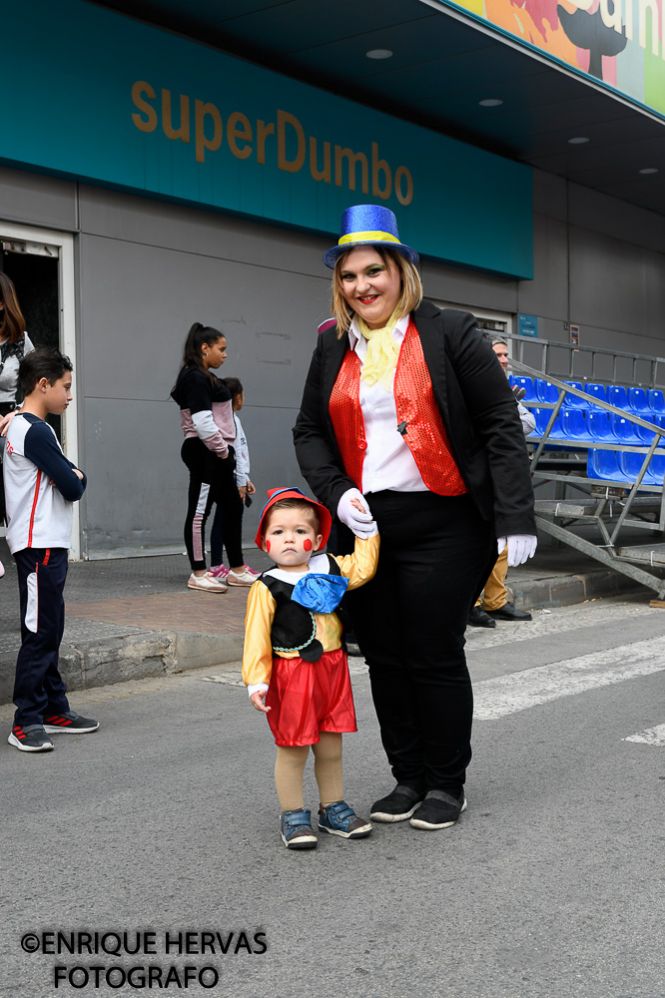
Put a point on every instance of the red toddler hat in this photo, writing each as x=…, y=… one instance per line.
x=276, y=495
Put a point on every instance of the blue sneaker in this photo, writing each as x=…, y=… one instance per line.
x=296, y=830
x=340, y=819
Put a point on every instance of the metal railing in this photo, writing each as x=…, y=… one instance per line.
x=610, y=502
x=566, y=360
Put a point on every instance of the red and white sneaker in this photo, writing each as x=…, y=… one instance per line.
x=69, y=723
x=32, y=738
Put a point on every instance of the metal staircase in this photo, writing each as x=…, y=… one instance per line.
x=607, y=509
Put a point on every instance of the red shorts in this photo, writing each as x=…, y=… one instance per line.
x=307, y=698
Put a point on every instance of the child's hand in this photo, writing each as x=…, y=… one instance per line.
x=357, y=504
x=242, y=491
x=251, y=488
x=5, y=422
x=259, y=701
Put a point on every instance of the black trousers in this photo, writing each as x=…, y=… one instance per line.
x=436, y=552
x=38, y=687
x=211, y=483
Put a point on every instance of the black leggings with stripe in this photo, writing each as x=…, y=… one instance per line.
x=211, y=482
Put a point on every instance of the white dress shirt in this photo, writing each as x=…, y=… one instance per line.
x=388, y=462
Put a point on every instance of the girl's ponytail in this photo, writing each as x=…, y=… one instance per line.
x=196, y=337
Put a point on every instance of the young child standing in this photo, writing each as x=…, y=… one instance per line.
x=294, y=663
x=244, y=484
x=40, y=487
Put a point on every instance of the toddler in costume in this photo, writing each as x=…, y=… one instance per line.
x=294, y=665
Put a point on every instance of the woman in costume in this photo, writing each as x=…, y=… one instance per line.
x=406, y=410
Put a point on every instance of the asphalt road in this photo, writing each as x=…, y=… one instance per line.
x=164, y=821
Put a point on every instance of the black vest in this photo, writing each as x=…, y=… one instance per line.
x=294, y=626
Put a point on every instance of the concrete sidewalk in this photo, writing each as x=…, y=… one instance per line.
x=132, y=618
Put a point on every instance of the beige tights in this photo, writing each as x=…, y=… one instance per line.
x=290, y=770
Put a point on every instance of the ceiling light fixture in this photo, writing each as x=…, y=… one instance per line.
x=490, y=102
x=578, y=140
x=649, y=169
x=379, y=54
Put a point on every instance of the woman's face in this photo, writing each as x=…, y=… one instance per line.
x=369, y=286
x=214, y=354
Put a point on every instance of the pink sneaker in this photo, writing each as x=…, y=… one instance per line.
x=246, y=577
x=219, y=572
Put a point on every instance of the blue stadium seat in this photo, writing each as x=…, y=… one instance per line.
x=572, y=401
x=631, y=465
x=557, y=430
x=574, y=424
x=617, y=395
x=542, y=417
x=646, y=436
x=624, y=430
x=597, y=391
x=657, y=469
x=600, y=425
x=522, y=381
x=604, y=464
x=547, y=392
x=638, y=400
x=656, y=400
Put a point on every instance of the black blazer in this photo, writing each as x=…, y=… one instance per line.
x=478, y=410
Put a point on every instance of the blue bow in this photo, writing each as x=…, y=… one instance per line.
x=320, y=593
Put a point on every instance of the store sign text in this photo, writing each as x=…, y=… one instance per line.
x=282, y=142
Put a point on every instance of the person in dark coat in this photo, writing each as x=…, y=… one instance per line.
x=406, y=409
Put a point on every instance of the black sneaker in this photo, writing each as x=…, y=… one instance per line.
x=31, y=738
x=69, y=723
x=398, y=805
x=438, y=810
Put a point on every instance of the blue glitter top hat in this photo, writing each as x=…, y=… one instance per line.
x=368, y=225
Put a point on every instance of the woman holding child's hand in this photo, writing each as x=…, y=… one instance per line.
x=407, y=420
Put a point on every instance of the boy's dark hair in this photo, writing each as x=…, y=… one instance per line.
x=294, y=504
x=234, y=385
x=44, y=362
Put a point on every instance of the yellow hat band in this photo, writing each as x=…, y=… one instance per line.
x=367, y=237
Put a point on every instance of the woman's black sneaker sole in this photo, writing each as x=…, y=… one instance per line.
x=438, y=810
x=397, y=806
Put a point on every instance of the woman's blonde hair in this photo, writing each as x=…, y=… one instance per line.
x=410, y=298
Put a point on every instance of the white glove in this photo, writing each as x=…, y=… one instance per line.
x=521, y=547
x=353, y=510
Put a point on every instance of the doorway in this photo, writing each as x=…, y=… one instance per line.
x=41, y=265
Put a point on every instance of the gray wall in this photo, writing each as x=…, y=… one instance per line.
x=147, y=269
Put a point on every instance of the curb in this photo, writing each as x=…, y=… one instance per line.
x=138, y=655
x=141, y=654
x=571, y=589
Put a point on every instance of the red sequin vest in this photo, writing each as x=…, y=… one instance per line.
x=425, y=434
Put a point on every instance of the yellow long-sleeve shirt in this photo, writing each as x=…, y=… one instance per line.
x=258, y=652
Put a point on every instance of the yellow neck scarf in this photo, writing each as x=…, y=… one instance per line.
x=382, y=352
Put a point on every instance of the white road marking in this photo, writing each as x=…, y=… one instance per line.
x=495, y=698
x=545, y=622
x=652, y=736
